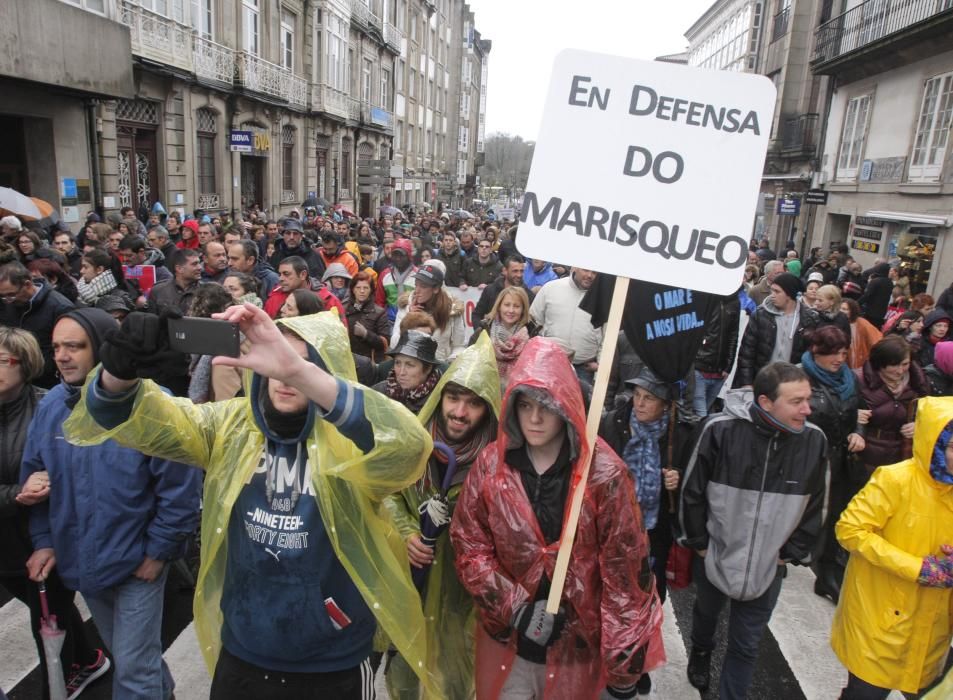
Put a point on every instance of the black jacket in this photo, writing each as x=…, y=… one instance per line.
x=615, y=428
x=876, y=296
x=378, y=325
x=15, y=545
x=39, y=316
x=757, y=344
x=837, y=319
x=475, y=274
x=718, y=348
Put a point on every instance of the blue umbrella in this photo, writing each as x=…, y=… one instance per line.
x=435, y=515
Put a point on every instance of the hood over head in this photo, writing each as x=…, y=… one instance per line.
x=97, y=323
x=943, y=357
x=328, y=348
x=474, y=369
x=880, y=270
x=932, y=433
x=544, y=374
x=937, y=314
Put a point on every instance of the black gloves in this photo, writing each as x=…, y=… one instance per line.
x=537, y=629
x=139, y=347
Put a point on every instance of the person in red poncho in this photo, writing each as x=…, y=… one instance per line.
x=506, y=532
x=190, y=235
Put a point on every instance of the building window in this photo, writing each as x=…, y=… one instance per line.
x=410, y=140
x=97, y=6
x=397, y=135
x=287, y=163
x=206, y=127
x=366, y=81
x=385, y=89
x=346, y=164
x=288, y=21
x=933, y=128
x=412, y=84
x=336, y=53
x=852, y=137
x=399, y=76
x=250, y=26
x=202, y=18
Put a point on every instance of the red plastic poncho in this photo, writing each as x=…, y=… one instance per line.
x=501, y=555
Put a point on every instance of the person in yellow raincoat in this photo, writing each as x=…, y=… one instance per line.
x=298, y=566
x=893, y=625
x=462, y=413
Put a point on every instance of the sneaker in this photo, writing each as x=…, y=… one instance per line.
x=699, y=668
x=81, y=676
x=644, y=685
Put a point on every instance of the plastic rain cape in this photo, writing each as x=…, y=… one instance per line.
x=448, y=608
x=223, y=439
x=888, y=629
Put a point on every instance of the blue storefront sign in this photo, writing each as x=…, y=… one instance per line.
x=240, y=141
x=789, y=206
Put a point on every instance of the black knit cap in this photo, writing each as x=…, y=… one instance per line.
x=97, y=323
x=789, y=283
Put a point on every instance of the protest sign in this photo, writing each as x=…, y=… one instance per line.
x=648, y=170
x=469, y=299
x=145, y=275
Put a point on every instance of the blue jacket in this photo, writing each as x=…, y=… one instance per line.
x=531, y=278
x=109, y=506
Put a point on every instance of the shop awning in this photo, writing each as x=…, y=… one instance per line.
x=909, y=217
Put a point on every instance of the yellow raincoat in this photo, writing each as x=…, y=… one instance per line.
x=889, y=630
x=448, y=608
x=224, y=439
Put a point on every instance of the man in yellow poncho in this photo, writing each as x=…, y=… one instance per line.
x=462, y=413
x=297, y=567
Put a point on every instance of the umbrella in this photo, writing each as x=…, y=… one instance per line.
x=435, y=515
x=424, y=205
x=462, y=214
x=314, y=203
x=387, y=210
x=343, y=210
x=53, y=638
x=19, y=204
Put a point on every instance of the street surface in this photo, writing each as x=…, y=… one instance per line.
x=796, y=661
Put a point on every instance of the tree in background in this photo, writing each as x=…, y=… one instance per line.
x=507, y=162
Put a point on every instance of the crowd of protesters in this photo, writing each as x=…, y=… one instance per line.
x=360, y=387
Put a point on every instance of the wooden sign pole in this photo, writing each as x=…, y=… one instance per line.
x=609, y=342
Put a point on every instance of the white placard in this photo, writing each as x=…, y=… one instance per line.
x=648, y=170
x=70, y=215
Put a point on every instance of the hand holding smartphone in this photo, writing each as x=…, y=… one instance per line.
x=204, y=336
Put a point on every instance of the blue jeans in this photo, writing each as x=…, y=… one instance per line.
x=706, y=391
x=747, y=621
x=129, y=619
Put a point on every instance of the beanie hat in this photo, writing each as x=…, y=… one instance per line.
x=789, y=283
x=97, y=323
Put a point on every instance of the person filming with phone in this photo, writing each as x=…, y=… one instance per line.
x=297, y=571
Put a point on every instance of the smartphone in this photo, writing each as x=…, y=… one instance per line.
x=204, y=336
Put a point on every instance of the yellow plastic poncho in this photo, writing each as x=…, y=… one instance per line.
x=889, y=630
x=224, y=439
x=448, y=608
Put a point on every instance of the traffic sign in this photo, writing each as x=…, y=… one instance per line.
x=672, y=158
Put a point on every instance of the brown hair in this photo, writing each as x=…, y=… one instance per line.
x=24, y=347
x=827, y=340
x=440, y=306
x=418, y=320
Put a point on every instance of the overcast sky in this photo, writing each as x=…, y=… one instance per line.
x=527, y=35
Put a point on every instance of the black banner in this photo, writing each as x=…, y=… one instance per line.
x=665, y=325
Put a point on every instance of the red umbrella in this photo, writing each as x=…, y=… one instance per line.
x=343, y=210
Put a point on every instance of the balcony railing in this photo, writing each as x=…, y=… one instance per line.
x=330, y=101
x=208, y=201
x=258, y=75
x=360, y=13
x=377, y=117
x=157, y=38
x=393, y=36
x=213, y=61
x=781, y=22
x=799, y=134
x=870, y=21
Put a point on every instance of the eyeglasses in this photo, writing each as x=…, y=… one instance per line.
x=8, y=361
x=8, y=298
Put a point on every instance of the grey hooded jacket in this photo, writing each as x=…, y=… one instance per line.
x=752, y=494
